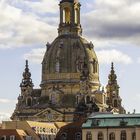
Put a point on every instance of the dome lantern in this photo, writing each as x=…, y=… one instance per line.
x=70, y=17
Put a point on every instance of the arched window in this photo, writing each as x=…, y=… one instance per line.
x=96, y=66
x=133, y=136
x=100, y=136
x=88, y=136
x=66, y=15
x=29, y=102
x=53, y=98
x=115, y=103
x=77, y=99
x=3, y=138
x=104, y=99
x=123, y=135
x=87, y=99
x=42, y=137
x=112, y=136
x=57, y=66
x=78, y=136
x=64, y=136
x=76, y=16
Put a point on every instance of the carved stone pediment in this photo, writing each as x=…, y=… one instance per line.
x=50, y=114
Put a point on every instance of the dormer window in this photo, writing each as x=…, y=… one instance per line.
x=88, y=136
x=78, y=136
x=100, y=136
x=123, y=135
x=43, y=137
x=29, y=138
x=133, y=136
x=112, y=136
x=3, y=138
x=12, y=137
x=64, y=136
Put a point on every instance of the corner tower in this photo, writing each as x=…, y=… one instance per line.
x=113, y=98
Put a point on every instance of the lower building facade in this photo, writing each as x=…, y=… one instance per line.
x=112, y=127
x=29, y=130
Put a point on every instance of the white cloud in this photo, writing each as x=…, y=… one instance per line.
x=35, y=22
x=36, y=55
x=113, y=21
x=19, y=28
x=4, y=116
x=5, y=101
x=108, y=56
x=43, y=6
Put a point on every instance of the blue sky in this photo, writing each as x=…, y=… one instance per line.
x=27, y=25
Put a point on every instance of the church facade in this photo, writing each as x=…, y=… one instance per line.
x=70, y=88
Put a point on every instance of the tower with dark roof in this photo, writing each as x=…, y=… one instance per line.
x=113, y=98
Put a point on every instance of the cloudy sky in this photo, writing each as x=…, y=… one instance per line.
x=27, y=25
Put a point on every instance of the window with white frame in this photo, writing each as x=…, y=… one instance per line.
x=78, y=136
x=112, y=136
x=12, y=137
x=88, y=136
x=100, y=136
x=64, y=136
x=123, y=135
x=29, y=138
x=133, y=136
x=3, y=138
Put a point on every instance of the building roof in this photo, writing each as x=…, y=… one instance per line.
x=111, y=116
x=19, y=134
x=71, y=129
x=112, y=120
x=60, y=124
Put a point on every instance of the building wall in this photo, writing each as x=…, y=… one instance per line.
x=107, y=131
x=20, y=125
x=35, y=129
x=9, y=133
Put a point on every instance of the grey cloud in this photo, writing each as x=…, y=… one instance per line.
x=113, y=21
x=114, y=31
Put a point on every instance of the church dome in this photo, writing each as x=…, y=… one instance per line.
x=67, y=55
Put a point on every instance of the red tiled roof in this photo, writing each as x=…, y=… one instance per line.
x=10, y=132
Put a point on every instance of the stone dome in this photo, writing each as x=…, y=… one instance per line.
x=67, y=55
